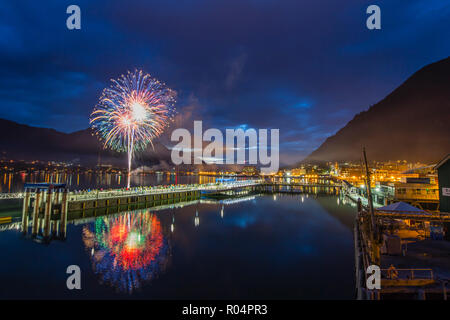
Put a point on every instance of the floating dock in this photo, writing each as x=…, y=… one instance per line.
x=413, y=263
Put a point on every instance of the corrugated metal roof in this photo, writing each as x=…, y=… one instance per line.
x=402, y=207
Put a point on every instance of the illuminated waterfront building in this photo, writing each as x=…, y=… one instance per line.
x=443, y=169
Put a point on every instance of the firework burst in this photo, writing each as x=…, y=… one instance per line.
x=132, y=112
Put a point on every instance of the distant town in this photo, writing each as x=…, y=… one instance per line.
x=416, y=183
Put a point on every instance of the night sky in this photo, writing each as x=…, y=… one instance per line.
x=305, y=67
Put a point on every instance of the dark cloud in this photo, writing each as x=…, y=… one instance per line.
x=305, y=67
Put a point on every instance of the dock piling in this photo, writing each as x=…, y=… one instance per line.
x=37, y=202
x=48, y=208
x=26, y=205
x=64, y=207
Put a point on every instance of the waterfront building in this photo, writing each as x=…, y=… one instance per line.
x=296, y=172
x=416, y=192
x=443, y=169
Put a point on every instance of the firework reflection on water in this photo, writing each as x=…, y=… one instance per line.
x=127, y=250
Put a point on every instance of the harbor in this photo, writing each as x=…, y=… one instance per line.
x=46, y=208
x=407, y=245
x=271, y=242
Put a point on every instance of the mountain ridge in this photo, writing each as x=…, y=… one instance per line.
x=411, y=123
x=47, y=144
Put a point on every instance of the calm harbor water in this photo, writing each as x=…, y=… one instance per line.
x=259, y=247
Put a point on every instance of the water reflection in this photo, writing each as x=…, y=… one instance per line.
x=127, y=250
x=270, y=249
x=237, y=200
x=196, y=219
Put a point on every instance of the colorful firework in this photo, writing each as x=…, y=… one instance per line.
x=132, y=112
x=127, y=250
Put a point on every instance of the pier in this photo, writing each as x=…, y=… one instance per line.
x=332, y=186
x=47, y=207
x=393, y=239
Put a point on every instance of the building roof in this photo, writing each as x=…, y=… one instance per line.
x=420, y=168
x=43, y=185
x=402, y=207
x=440, y=163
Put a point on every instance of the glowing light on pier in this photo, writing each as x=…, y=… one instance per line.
x=132, y=112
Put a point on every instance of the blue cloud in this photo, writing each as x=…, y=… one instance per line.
x=304, y=60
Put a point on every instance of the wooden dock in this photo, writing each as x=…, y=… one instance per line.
x=47, y=208
x=417, y=279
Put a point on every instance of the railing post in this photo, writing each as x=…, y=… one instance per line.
x=47, y=213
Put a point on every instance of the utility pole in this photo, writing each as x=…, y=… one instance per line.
x=369, y=190
x=373, y=235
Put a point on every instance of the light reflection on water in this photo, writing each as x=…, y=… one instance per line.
x=127, y=250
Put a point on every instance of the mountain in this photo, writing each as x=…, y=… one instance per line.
x=412, y=123
x=23, y=142
x=19, y=141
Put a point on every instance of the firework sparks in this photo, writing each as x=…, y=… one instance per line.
x=132, y=112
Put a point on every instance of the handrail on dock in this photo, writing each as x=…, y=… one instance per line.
x=150, y=190
x=142, y=190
